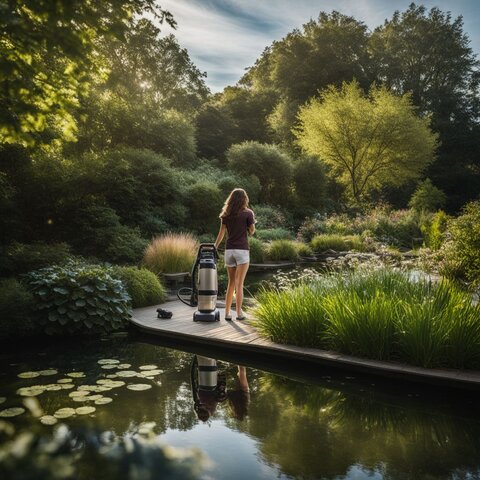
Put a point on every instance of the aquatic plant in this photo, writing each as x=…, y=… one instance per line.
x=381, y=314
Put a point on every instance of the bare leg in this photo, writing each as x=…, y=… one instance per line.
x=230, y=288
x=239, y=279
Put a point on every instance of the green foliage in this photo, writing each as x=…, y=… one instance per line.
x=79, y=299
x=381, y=314
x=434, y=230
x=270, y=217
x=16, y=310
x=21, y=258
x=340, y=243
x=303, y=249
x=103, y=236
x=257, y=250
x=369, y=141
x=427, y=197
x=204, y=201
x=171, y=253
x=282, y=250
x=310, y=181
x=47, y=60
x=268, y=163
x=142, y=285
x=267, y=235
x=462, y=251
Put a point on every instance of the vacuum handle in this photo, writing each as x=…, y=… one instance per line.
x=209, y=246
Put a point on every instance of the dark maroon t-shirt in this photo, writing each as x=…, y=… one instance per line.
x=237, y=229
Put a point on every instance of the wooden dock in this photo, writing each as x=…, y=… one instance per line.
x=241, y=337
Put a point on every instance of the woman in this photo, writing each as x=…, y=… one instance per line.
x=236, y=219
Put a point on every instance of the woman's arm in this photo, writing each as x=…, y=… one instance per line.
x=251, y=229
x=221, y=234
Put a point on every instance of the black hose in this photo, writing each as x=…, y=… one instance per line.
x=188, y=291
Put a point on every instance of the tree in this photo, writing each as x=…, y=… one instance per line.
x=427, y=197
x=269, y=164
x=48, y=59
x=369, y=141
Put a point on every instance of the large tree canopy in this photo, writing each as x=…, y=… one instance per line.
x=370, y=141
x=48, y=58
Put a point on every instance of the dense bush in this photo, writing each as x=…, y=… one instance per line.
x=257, y=250
x=339, y=243
x=79, y=299
x=16, y=308
x=21, y=258
x=204, y=201
x=268, y=163
x=269, y=217
x=434, y=230
x=171, y=253
x=379, y=314
x=282, y=250
x=143, y=286
x=267, y=235
x=462, y=250
x=427, y=197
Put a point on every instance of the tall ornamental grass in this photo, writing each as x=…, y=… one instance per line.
x=171, y=253
x=382, y=314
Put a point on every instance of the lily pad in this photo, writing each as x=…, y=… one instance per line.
x=103, y=401
x=48, y=372
x=3, y=400
x=88, y=388
x=28, y=374
x=108, y=361
x=48, y=420
x=109, y=367
x=78, y=394
x=65, y=380
x=112, y=375
x=76, y=374
x=12, y=412
x=139, y=387
x=64, y=412
x=85, y=410
x=83, y=398
x=148, y=367
x=67, y=386
x=94, y=397
x=123, y=366
x=126, y=373
x=53, y=387
x=30, y=391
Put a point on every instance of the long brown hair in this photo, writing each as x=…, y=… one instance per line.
x=235, y=203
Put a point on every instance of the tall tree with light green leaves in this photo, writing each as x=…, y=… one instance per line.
x=369, y=140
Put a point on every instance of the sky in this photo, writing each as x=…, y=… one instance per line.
x=224, y=37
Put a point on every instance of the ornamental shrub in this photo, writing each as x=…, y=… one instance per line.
x=339, y=243
x=435, y=229
x=267, y=235
x=16, y=308
x=22, y=258
x=142, y=285
x=282, y=250
x=257, y=250
x=427, y=197
x=79, y=298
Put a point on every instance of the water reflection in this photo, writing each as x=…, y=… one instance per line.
x=337, y=428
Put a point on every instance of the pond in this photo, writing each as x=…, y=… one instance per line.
x=257, y=425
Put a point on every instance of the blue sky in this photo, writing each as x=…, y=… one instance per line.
x=223, y=37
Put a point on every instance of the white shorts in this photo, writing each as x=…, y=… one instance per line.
x=236, y=257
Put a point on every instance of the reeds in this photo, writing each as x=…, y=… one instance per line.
x=171, y=253
x=381, y=314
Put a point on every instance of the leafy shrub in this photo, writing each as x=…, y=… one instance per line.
x=99, y=233
x=204, y=202
x=171, y=253
x=303, y=249
x=22, y=258
x=143, y=286
x=79, y=298
x=268, y=163
x=269, y=217
x=267, y=235
x=381, y=314
x=427, y=197
x=16, y=307
x=282, y=250
x=339, y=243
x=257, y=250
x=462, y=251
x=435, y=229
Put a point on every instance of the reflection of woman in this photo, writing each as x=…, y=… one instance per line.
x=239, y=398
x=237, y=220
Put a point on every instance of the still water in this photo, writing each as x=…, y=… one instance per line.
x=217, y=420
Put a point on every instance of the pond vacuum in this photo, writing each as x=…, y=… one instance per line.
x=204, y=290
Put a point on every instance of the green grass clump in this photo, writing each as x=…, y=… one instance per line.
x=283, y=250
x=340, y=243
x=171, y=253
x=270, y=234
x=257, y=250
x=382, y=315
x=142, y=285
